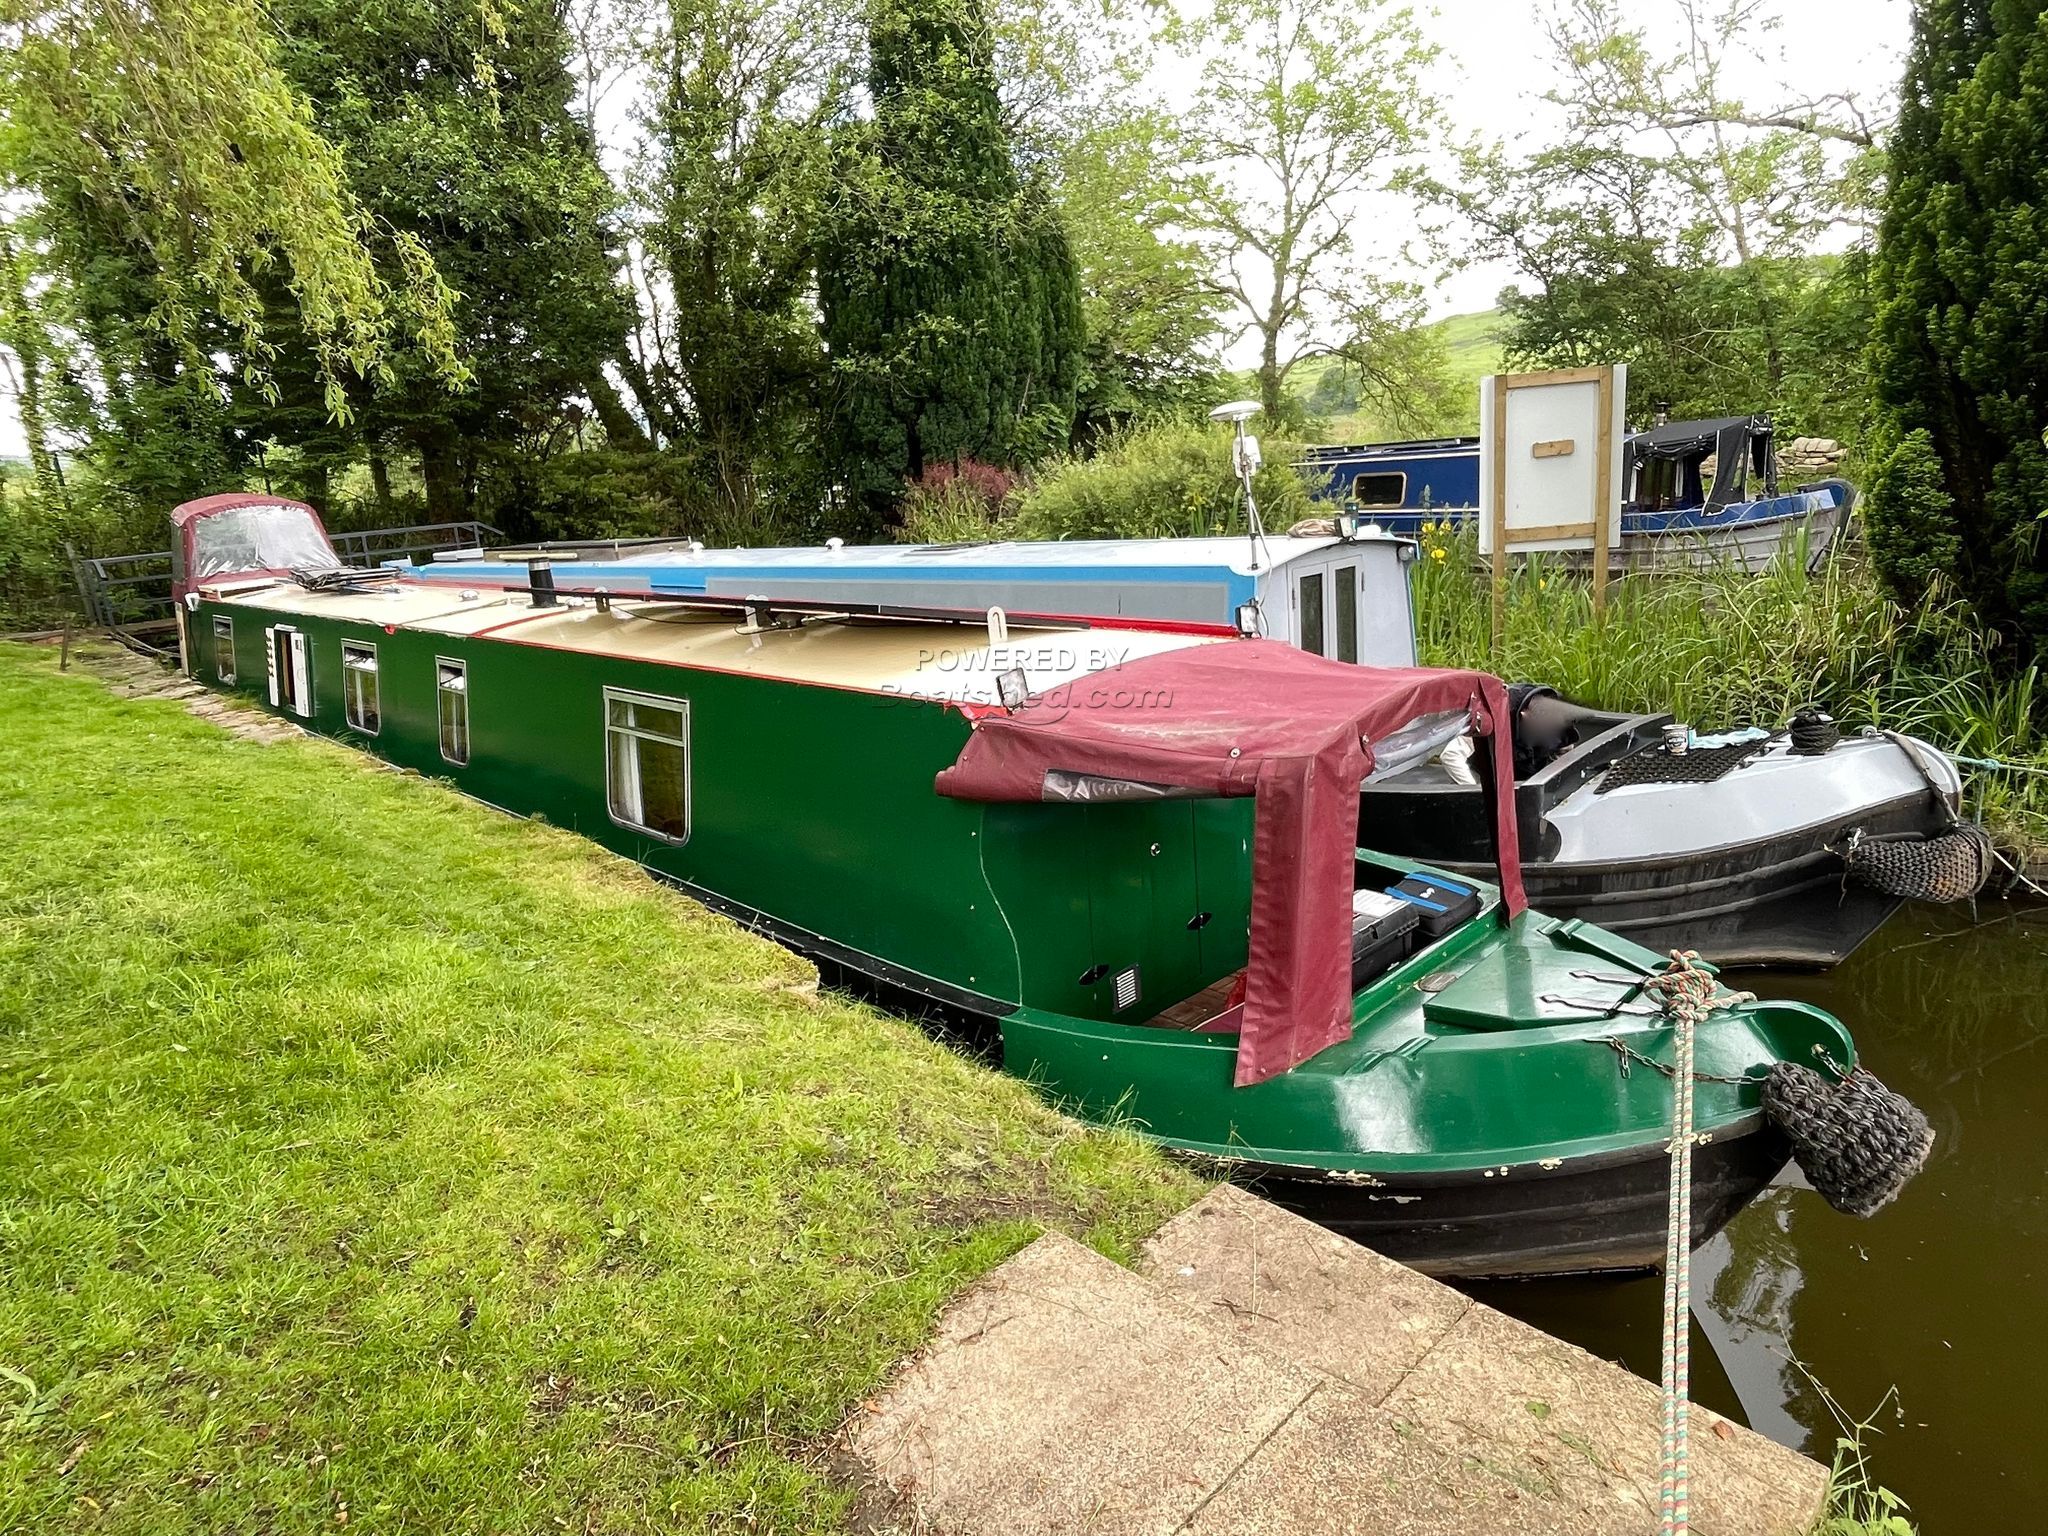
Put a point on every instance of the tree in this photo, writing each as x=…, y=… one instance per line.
x=1960, y=347
x=739, y=160
x=1152, y=318
x=457, y=125
x=1672, y=225
x=1308, y=110
x=1749, y=188
x=174, y=125
x=951, y=310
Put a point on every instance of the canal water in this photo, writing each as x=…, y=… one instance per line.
x=1931, y=1316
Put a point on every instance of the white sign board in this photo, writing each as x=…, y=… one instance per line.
x=1550, y=448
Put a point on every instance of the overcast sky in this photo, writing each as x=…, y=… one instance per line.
x=1494, y=76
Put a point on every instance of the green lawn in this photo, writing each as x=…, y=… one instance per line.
x=369, y=1158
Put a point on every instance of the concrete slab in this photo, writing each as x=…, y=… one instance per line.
x=1063, y=1394
x=1270, y=1278
x=1549, y=1415
x=1265, y=1376
x=1342, y=1466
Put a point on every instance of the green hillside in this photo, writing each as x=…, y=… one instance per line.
x=1472, y=346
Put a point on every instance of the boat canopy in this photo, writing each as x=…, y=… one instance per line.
x=1259, y=718
x=1741, y=446
x=241, y=534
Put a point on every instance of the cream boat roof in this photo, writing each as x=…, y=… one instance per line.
x=929, y=659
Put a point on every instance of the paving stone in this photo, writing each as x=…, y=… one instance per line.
x=1344, y=1466
x=1063, y=1394
x=1273, y=1279
x=1547, y=1413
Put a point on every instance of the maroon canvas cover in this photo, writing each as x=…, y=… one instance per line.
x=185, y=514
x=1253, y=717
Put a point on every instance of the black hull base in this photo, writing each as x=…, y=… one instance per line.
x=1605, y=1214
x=1785, y=902
x=1806, y=924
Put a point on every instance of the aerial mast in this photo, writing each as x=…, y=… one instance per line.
x=1245, y=459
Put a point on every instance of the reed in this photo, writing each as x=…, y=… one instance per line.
x=1718, y=647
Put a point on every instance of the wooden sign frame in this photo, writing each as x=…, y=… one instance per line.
x=1595, y=528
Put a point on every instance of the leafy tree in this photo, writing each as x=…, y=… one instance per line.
x=951, y=310
x=1152, y=318
x=1671, y=227
x=1960, y=347
x=730, y=360
x=1307, y=109
x=457, y=124
x=1749, y=188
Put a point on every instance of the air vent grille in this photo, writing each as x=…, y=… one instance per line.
x=1126, y=988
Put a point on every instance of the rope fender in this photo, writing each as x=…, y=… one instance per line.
x=1857, y=1142
x=1950, y=866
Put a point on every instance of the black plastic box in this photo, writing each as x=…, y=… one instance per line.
x=1381, y=938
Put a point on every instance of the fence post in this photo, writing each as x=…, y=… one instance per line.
x=89, y=593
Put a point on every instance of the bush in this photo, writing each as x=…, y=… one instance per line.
x=37, y=589
x=955, y=503
x=614, y=493
x=1172, y=479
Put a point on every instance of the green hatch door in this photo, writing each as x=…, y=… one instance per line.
x=1143, y=909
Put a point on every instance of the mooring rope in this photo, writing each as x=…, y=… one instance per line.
x=1689, y=993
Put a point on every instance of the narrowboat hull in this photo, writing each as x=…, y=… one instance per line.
x=1597, y=1214
x=1788, y=904
x=1479, y=1065
x=1771, y=889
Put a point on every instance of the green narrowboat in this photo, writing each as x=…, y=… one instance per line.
x=1114, y=849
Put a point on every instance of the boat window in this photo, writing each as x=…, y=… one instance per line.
x=1347, y=612
x=1310, y=602
x=647, y=763
x=1657, y=484
x=359, y=687
x=224, y=650
x=260, y=538
x=1381, y=489
x=451, y=696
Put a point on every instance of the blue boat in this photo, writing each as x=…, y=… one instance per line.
x=1672, y=513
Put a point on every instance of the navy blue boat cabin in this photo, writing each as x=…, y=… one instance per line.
x=1400, y=485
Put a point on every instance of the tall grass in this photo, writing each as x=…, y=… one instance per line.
x=1718, y=647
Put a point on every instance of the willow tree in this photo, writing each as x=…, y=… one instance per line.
x=174, y=125
x=952, y=315
x=1960, y=350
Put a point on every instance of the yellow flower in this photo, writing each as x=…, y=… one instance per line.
x=1436, y=554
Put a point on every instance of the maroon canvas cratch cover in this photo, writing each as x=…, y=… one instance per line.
x=1254, y=717
x=184, y=515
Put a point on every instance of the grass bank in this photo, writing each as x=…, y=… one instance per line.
x=1718, y=647
x=370, y=1159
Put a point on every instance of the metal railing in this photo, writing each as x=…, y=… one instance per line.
x=128, y=592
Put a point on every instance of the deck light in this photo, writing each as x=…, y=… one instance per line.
x=1012, y=689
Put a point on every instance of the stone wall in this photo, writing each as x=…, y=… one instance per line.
x=1808, y=458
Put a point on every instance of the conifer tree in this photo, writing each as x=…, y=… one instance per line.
x=1960, y=349
x=951, y=309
